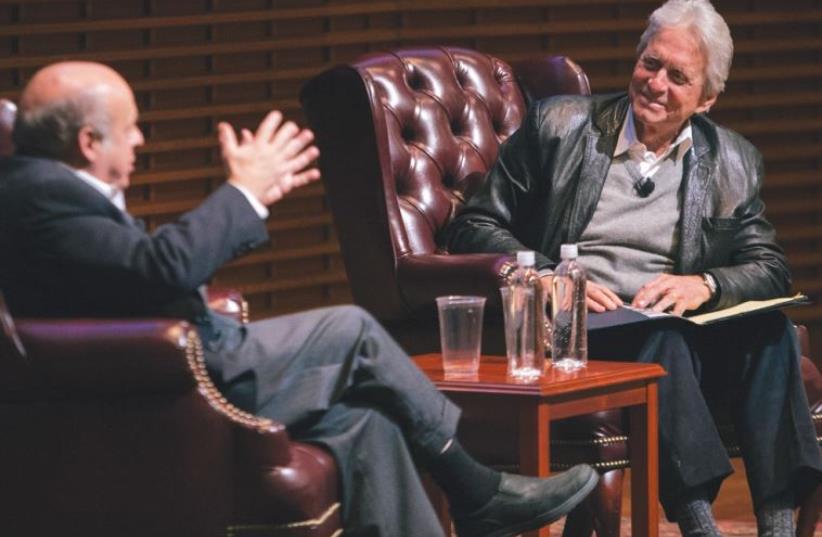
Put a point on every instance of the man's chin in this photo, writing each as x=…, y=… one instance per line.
x=649, y=116
x=121, y=182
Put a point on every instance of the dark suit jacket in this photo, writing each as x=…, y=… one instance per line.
x=546, y=183
x=68, y=252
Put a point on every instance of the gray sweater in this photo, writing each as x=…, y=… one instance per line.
x=631, y=239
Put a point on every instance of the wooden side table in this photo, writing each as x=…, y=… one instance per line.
x=558, y=395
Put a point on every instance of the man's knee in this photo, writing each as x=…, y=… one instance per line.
x=779, y=327
x=350, y=313
x=348, y=319
x=668, y=347
x=352, y=325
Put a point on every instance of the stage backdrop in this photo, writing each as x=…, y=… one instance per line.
x=196, y=62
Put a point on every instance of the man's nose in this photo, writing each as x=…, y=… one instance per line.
x=138, y=138
x=658, y=82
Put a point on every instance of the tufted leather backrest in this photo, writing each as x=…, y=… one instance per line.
x=446, y=112
x=404, y=138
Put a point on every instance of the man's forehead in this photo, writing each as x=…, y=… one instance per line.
x=680, y=51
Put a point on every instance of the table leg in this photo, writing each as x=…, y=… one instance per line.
x=534, y=446
x=644, y=466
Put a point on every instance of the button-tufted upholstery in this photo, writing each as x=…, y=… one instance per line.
x=404, y=138
x=446, y=112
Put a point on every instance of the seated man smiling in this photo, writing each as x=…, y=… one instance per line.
x=664, y=206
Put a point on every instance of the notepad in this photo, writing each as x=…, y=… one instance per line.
x=628, y=315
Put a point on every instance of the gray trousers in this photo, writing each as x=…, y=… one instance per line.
x=334, y=377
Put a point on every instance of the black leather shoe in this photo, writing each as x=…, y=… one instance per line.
x=526, y=503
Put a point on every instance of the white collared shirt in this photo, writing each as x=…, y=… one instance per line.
x=109, y=191
x=647, y=161
x=117, y=197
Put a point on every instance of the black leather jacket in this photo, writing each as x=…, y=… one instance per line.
x=544, y=187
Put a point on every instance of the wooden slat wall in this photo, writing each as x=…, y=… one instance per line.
x=196, y=62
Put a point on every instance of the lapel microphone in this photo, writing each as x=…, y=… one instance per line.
x=643, y=185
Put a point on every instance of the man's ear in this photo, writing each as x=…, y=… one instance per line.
x=706, y=104
x=88, y=143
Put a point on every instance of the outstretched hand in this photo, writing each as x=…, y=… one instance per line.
x=672, y=292
x=270, y=162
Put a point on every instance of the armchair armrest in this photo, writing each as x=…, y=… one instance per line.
x=107, y=357
x=422, y=278
x=811, y=371
x=229, y=302
x=126, y=379
x=88, y=358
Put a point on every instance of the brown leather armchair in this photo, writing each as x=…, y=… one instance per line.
x=113, y=427
x=405, y=137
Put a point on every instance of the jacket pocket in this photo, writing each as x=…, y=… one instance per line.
x=718, y=240
x=710, y=223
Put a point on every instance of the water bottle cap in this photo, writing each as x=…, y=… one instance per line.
x=525, y=258
x=568, y=251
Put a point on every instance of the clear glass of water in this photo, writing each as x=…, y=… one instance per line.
x=460, y=334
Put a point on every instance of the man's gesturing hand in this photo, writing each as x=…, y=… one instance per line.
x=270, y=162
x=678, y=293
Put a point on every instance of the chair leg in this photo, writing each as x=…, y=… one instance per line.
x=601, y=511
x=809, y=514
x=607, y=503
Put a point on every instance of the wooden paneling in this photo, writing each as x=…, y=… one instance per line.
x=196, y=62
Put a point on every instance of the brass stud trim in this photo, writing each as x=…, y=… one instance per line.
x=602, y=465
x=239, y=529
x=593, y=442
x=206, y=387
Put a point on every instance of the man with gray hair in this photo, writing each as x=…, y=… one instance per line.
x=664, y=206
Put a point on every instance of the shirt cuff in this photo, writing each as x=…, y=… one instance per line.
x=259, y=208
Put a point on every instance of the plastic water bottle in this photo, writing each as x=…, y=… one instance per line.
x=569, y=336
x=525, y=316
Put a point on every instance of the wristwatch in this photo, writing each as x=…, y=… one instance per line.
x=710, y=283
x=506, y=270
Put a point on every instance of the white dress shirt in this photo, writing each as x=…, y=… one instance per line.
x=118, y=198
x=648, y=162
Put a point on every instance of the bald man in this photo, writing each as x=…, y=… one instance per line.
x=332, y=376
